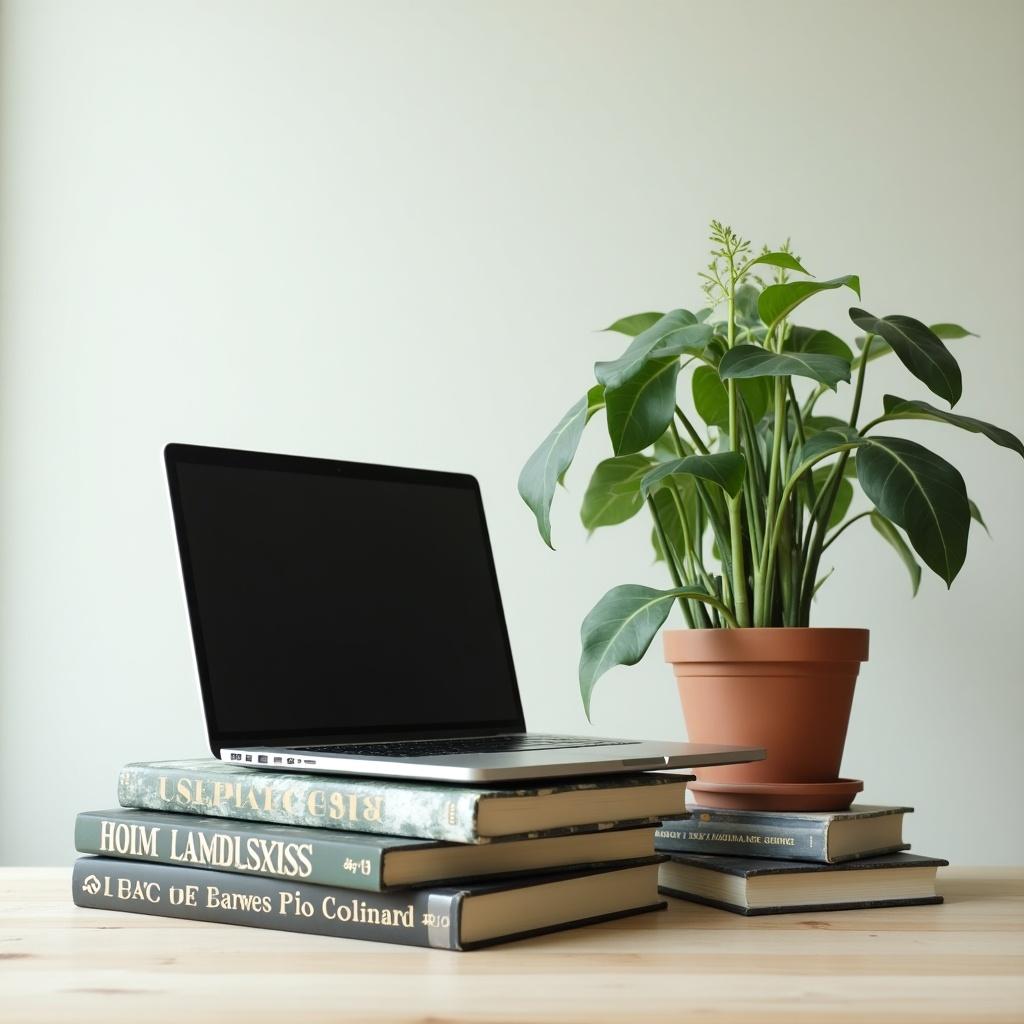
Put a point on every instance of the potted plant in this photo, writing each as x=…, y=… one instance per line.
x=747, y=496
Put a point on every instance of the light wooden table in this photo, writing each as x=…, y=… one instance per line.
x=963, y=961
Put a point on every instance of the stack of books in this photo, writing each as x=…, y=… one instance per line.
x=778, y=862
x=420, y=863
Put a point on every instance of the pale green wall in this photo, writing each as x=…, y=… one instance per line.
x=386, y=232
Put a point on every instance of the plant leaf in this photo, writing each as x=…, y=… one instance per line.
x=746, y=305
x=919, y=349
x=640, y=410
x=951, y=332
x=907, y=409
x=921, y=492
x=976, y=516
x=726, y=469
x=613, y=494
x=777, y=301
x=635, y=324
x=753, y=361
x=834, y=439
x=779, y=259
x=711, y=399
x=808, y=339
x=620, y=628
x=899, y=545
x=548, y=464
x=673, y=334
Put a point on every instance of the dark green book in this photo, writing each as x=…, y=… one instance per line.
x=427, y=810
x=748, y=885
x=351, y=859
x=463, y=917
x=829, y=837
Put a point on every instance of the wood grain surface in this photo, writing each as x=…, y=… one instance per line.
x=962, y=961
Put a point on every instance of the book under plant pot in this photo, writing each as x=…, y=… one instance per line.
x=749, y=484
x=789, y=690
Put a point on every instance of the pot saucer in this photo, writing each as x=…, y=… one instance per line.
x=777, y=796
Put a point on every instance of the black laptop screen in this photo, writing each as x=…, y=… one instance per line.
x=334, y=599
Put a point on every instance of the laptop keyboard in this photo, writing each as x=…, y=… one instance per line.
x=465, y=745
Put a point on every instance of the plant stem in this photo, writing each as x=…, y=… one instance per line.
x=831, y=489
x=691, y=430
x=764, y=569
x=843, y=526
x=739, y=572
x=669, y=559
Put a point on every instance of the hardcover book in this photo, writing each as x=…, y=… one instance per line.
x=830, y=837
x=353, y=860
x=460, y=814
x=463, y=917
x=745, y=885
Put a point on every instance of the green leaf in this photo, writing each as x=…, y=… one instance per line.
x=711, y=399
x=779, y=300
x=899, y=545
x=613, y=494
x=808, y=339
x=976, y=516
x=548, y=464
x=833, y=440
x=951, y=332
x=620, y=628
x=746, y=305
x=779, y=259
x=907, y=409
x=753, y=361
x=919, y=349
x=816, y=424
x=640, y=410
x=726, y=469
x=635, y=324
x=921, y=492
x=673, y=334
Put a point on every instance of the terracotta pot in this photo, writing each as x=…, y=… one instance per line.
x=787, y=690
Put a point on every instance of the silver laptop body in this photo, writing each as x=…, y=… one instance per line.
x=346, y=618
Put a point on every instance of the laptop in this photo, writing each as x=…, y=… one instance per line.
x=346, y=618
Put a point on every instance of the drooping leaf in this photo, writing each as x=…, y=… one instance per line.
x=673, y=334
x=635, y=324
x=640, y=410
x=912, y=409
x=918, y=348
x=726, y=469
x=921, y=492
x=777, y=301
x=951, y=332
x=976, y=516
x=899, y=545
x=754, y=361
x=779, y=259
x=711, y=399
x=620, y=628
x=613, y=494
x=548, y=464
x=809, y=339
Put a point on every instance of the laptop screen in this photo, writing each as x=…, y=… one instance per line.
x=337, y=599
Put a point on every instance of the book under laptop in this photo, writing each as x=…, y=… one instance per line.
x=347, y=618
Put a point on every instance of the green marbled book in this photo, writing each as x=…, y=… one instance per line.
x=427, y=810
x=355, y=860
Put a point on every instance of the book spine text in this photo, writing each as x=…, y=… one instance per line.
x=320, y=857
x=408, y=917
x=783, y=841
x=347, y=802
